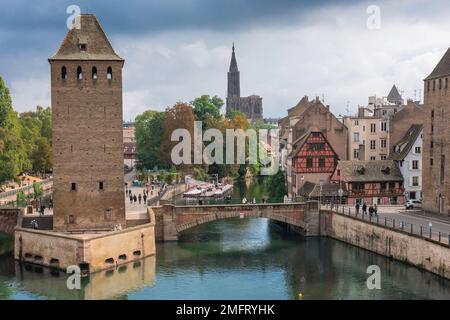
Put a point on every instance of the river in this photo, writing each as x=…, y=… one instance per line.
x=234, y=259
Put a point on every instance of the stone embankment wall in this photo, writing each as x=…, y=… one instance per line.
x=421, y=252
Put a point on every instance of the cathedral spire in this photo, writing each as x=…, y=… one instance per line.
x=233, y=63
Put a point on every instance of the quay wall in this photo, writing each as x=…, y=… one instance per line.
x=421, y=252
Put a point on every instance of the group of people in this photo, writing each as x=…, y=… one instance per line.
x=133, y=198
x=373, y=210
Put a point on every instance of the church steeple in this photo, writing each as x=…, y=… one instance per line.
x=233, y=77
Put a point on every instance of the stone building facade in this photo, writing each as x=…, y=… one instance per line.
x=436, y=149
x=86, y=93
x=250, y=106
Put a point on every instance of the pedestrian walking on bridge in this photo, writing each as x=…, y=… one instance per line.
x=357, y=208
x=364, y=208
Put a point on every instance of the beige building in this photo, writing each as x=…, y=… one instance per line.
x=86, y=89
x=368, y=136
x=436, y=149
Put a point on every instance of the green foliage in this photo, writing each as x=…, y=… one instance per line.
x=21, y=199
x=149, y=133
x=38, y=192
x=13, y=157
x=201, y=174
x=206, y=107
x=276, y=184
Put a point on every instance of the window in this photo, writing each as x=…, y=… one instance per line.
x=94, y=73
x=64, y=73
x=356, y=122
x=321, y=162
x=415, y=164
x=109, y=74
x=373, y=144
x=372, y=158
x=434, y=85
x=101, y=186
x=440, y=84
x=431, y=162
x=415, y=181
x=373, y=127
x=383, y=157
x=428, y=86
x=384, y=112
x=418, y=150
x=309, y=163
x=383, y=143
x=316, y=146
x=355, y=153
x=82, y=46
x=73, y=187
x=442, y=168
x=79, y=73
x=356, y=137
x=446, y=83
x=383, y=126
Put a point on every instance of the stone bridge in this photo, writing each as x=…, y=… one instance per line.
x=172, y=219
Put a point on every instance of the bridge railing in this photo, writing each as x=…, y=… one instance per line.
x=398, y=224
x=196, y=202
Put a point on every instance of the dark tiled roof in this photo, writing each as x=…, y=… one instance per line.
x=442, y=68
x=370, y=171
x=406, y=143
x=312, y=190
x=394, y=96
x=90, y=34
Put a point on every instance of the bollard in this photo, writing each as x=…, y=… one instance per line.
x=393, y=223
x=412, y=228
x=385, y=221
x=430, y=232
x=421, y=231
x=403, y=226
x=439, y=236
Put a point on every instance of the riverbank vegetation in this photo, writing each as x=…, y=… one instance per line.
x=25, y=139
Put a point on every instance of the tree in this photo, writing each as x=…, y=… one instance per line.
x=149, y=133
x=180, y=116
x=41, y=157
x=13, y=158
x=276, y=184
x=38, y=192
x=206, y=107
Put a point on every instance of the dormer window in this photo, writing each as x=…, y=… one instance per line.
x=82, y=46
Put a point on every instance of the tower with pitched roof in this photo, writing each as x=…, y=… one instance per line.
x=86, y=94
x=436, y=139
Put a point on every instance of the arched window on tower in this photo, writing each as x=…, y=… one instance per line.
x=79, y=73
x=64, y=73
x=94, y=73
x=109, y=74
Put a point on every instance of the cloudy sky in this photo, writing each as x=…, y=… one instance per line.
x=176, y=50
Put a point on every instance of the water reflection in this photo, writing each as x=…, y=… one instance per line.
x=45, y=283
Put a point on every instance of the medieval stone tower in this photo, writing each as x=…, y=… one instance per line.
x=86, y=87
x=436, y=140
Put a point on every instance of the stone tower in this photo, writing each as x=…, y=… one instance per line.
x=436, y=140
x=86, y=88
